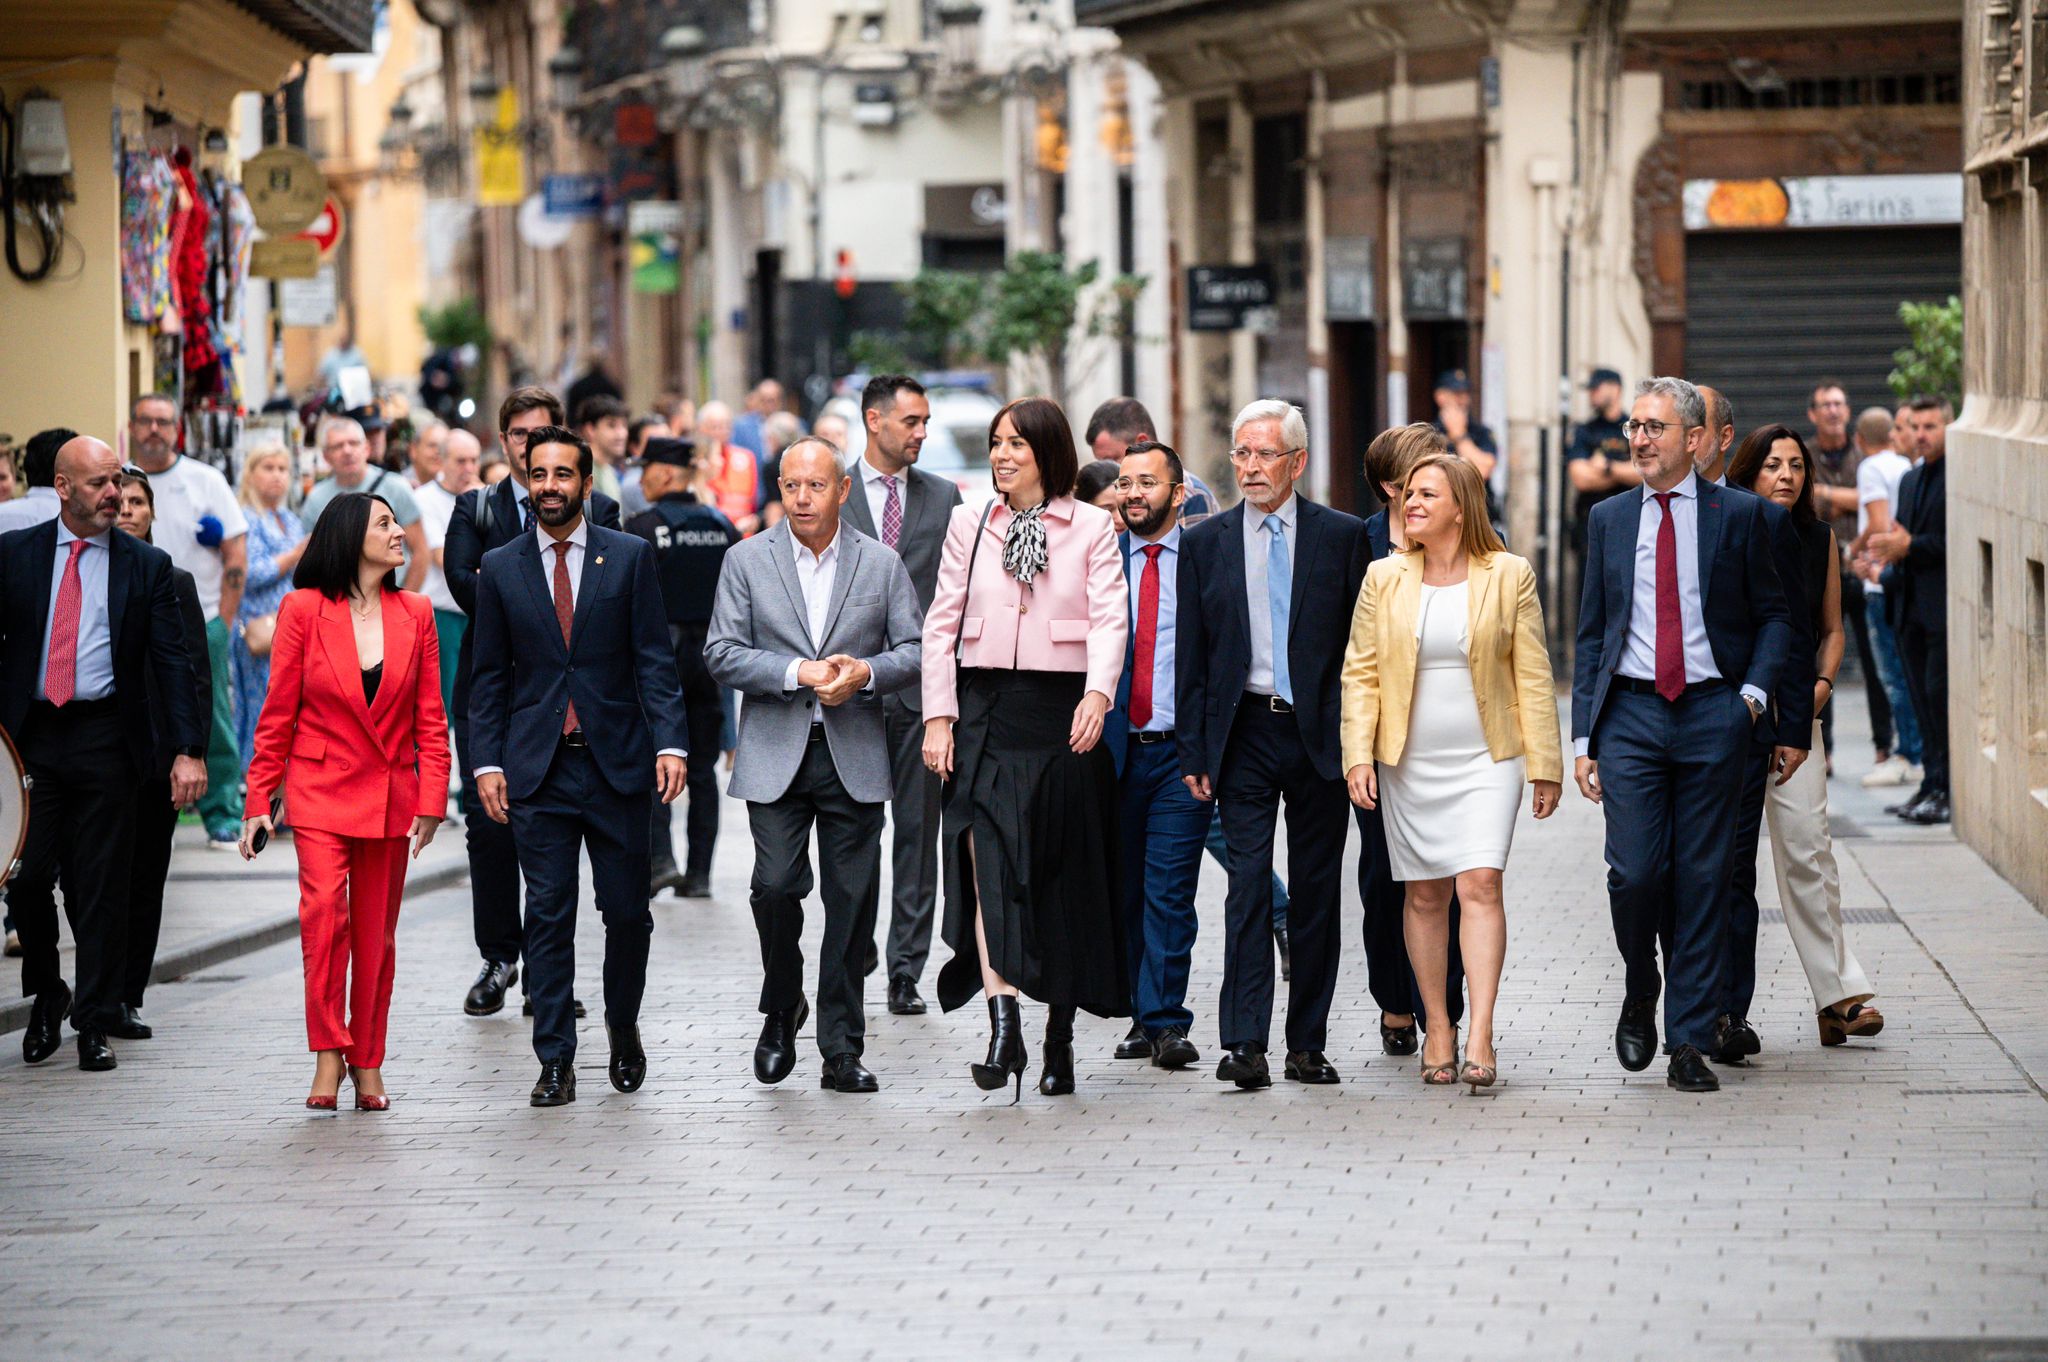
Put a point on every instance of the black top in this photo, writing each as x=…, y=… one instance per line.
x=1816, y=565
x=690, y=540
x=372, y=678
x=1598, y=435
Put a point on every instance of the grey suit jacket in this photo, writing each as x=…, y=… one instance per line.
x=928, y=502
x=759, y=626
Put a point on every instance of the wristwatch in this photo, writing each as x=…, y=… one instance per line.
x=1756, y=707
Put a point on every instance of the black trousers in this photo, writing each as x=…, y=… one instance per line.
x=1265, y=766
x=156, y=823
x=704, y=715
x=493, y=870
x=850, y=857
x=1923, y=647
x=1738, y=965
x=913, y=840
x=576, y=809
x=81, y=827
x=1388, y=975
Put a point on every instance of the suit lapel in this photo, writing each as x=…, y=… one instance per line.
x=540, y=582
x=595, y=566
x=1306, y=542
x=1712, y=516
x=779, y=551
x=121, y=566
x=1622, y=533
x=400, y=641
x=856, y=508
x=842, y=580
x=1235, y=571
x=1481, y=576
x=338, y=640
x=42, y=581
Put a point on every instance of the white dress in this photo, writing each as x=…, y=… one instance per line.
x=1448, y=805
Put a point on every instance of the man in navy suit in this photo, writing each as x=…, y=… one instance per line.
x=485, y=519
x=1684, y=632
x=1163, y=823
x=576, y=715
x=1266, y=594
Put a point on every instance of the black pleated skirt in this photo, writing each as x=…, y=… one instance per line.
x=1043, y=869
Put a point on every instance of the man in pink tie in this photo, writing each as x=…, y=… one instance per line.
x=87, y=613
x=1684, y=631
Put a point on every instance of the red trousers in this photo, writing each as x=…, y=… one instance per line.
x=349, y=888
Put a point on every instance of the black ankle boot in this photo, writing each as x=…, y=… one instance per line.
x=1058, y=1078
x=1005, y=1047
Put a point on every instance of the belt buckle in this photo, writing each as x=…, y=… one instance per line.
x=575, y=739
x=1278, y=705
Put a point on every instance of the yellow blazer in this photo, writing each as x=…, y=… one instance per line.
x=1510, y=663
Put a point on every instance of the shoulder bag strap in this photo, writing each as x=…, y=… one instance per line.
x=972, y=553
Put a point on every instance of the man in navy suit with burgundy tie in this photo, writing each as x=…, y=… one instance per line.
x=1684, y=631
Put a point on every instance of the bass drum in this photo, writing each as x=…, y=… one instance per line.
x=14, y=786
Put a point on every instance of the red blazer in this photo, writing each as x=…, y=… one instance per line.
x=351, y=768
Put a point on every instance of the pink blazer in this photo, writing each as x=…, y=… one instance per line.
x=1072, y=618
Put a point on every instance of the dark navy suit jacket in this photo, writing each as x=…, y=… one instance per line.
x=1213, y=652
x=618, y=665
x=1749, y=622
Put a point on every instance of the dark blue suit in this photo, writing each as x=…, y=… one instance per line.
x=619, y=671
x=1671, y=772
x=1258, y=757
x=1163, y=828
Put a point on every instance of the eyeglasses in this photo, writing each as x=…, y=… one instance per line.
x=1244, y=455
x=1146, y=484
x=1652, y=430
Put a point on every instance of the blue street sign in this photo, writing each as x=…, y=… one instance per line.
x=573, y=196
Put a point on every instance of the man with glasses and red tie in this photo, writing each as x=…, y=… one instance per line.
x=1684, y=631
x=86, y=612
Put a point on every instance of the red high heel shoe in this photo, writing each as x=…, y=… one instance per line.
x=318, y=1103
x=364, y=1101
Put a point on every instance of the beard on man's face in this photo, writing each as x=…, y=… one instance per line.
x=558, y=512
x=1146, y=521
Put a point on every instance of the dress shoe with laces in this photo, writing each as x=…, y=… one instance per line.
x=130, y=1025
x=526, y=1008
x=557, y=1085
x=1173, y=1049
x=1734, y=1040
x=1635, y=1035
x=845, y=1073
x=1135, y=1045
x=1689, y=1072
x=775, y=1053
x=696, y=885
x=1309, y=1066
x=1245, y=1065
x=487, y=994
x=46, y=1023
x=903, y=999
x=1929, y=812
x=94, y=1054
x=629, y=1060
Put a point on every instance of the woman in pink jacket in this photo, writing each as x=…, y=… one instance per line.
x=1023, y=646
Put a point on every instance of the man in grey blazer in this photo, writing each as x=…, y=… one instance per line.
x=814, y=624
x=894, y=408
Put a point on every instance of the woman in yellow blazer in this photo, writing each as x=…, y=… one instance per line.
x=1448, y=708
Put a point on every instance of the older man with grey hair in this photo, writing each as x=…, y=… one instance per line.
x=1266, y=591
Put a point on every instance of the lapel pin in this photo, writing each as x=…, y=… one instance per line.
x=600, y=560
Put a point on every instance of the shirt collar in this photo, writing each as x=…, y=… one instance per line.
x=1687, y=490
x=831, y=553
x=580, y=536
x=1170, y=541
x=64, y=536
x=1288, y=512
x=870, y=473
x=518, y=489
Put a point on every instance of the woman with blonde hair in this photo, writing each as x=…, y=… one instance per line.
x=276, y=541
x=1448, y=709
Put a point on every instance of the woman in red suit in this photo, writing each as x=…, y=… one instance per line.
x=354, y=729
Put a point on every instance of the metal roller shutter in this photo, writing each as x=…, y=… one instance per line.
x=1768, y=313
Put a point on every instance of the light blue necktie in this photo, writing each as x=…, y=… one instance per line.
x=1279, y=587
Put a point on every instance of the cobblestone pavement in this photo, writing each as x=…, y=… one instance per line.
x=186, y=1206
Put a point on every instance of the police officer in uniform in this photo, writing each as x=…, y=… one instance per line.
x=690, y=540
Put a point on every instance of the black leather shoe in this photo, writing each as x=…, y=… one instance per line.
x=526, y=1008
x=1173, y=1049
x=1135, y=1045
x=1397, y=1040
x=1689, y=1073
x=775, y=1054
x=1286, y=954
x=629, y=1061
x=1929, y=812
x=1309, y=1066
x=46, y=1023
x=1734, y=1041
x=130, y=1025
x=1904, y=808
x=1245, y=1065
x=696, y=885
x=1057, y=1078
x=870, y=962
x=1635, y=1035
x=662, y=877
x=845, y=1073
x=487, y=994
x=94, y=1054
x=557, y=1085
x=903, y=999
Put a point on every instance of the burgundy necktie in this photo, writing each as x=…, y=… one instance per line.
x=1670, y=625
x=60, y=679
x=565, y=615
x=1148, y=638
x=892, y=513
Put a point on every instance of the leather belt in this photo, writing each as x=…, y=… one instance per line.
x=1271, y=702
x=1635, y=685
x=575, y=739
x=1146, y=739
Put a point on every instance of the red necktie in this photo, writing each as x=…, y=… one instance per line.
x=60, y=679
x=1670, y=626
x=1148, y=638
x=565, y=615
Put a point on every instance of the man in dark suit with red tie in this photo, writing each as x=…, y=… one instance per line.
x=87, y=613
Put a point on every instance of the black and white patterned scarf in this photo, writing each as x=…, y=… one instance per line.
x=1024, y=554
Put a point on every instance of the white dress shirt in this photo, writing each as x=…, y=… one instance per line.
x=1169, y=616
x=1258, y=608
x=25, y=512
x=93, y=674
x=815, y=574
x=1639, y=645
